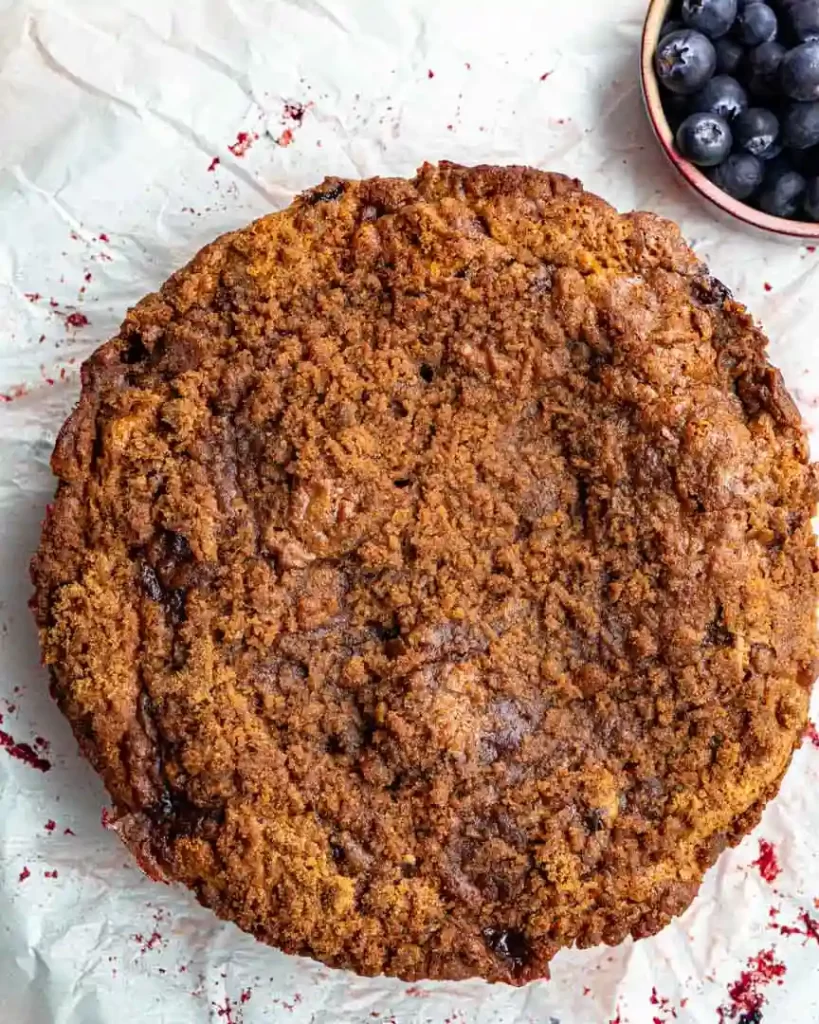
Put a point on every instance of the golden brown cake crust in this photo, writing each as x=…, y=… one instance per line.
x=431, y=577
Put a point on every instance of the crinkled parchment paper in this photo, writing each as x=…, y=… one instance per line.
x=117, y=119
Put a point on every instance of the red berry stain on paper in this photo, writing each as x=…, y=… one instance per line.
x=664, y=1006
x=293, y=111
x=152, y=942
x=546, y=75
x=290, y=1007
x=51, y=874
x=32, y=296
x=230, y=1012
x=746, y=994
x=812, y=734
x=809, y=929
x=24, y=874
x=214, y=163
x=50, y=825
x=768, y=287
x=106, y=818
x=244, y=141
x=430, y=73
x=23, y=752
x=766, y=862
x=296, y=111
x=77, y=320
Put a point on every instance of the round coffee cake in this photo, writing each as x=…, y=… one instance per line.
x=431, y=577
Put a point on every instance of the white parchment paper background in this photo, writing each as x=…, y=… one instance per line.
x=111, y=113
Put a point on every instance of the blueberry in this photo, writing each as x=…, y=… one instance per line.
x=782, y=193
x=712, y=17
x=804, y=20
x=766, y=59
x=723, y=95
x=704, y=139
x=671, y=26
x=729, y=55
x=756, y=130
x=762, y=70
x=806, y=161
x=740, y=175
x=756, y=24
x=782, y=6
x=763, y=91
x=799, y=73
x=772, y=152
x=781, y=163
x=685, y=61
x=800, y=126
x=676, y=109
x=812, y=199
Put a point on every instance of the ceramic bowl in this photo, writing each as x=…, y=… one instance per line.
x=733, y=209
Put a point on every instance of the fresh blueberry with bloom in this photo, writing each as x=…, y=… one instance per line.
x=685, y=61
x=712, y=17
x=812, y=199
x=783, y=193
x=673, y=25
x=756, y=24
x=756, y=130
x=704, y=139
x=723, y=95
x=804, y=20
x=729, y=55
x=739, y=176
x=799, y=72
x=800, y=126
x=764, y=60
x=761, y=68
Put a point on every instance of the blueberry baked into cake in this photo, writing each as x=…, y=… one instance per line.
x=431, y=577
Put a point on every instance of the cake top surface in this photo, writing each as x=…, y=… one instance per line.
x=431, y=577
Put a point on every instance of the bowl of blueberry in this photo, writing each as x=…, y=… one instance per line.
x=732, y=90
